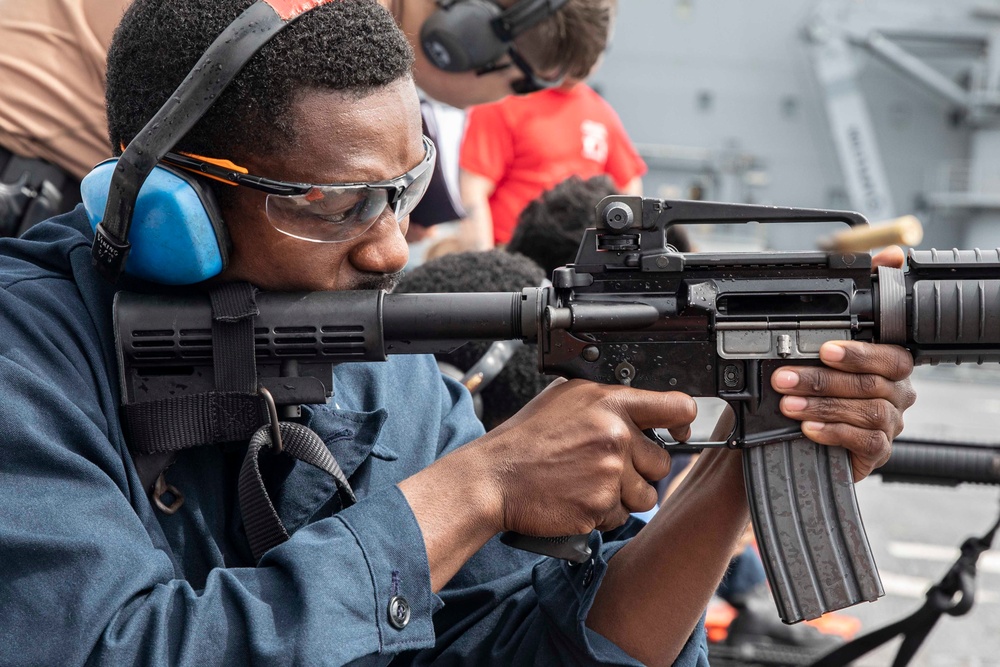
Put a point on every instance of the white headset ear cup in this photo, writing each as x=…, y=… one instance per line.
x=459, y=37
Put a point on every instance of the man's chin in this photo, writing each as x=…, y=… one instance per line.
x=381, y=281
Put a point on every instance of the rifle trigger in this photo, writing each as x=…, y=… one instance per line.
x=272, y=413
x=657, y=440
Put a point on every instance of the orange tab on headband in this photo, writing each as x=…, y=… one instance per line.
x=290, y=9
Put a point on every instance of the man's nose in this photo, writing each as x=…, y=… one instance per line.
x=383, y=248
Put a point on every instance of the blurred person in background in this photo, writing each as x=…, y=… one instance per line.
x=521, y=68
x=53, y=128
x=515, y=149
x=52, y=117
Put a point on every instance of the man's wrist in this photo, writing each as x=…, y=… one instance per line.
x=481, y=488
x=457, y=507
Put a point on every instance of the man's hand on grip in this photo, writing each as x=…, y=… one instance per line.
x=575, y=458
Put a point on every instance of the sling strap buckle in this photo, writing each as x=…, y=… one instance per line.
x=272, y=413
x=160, y=492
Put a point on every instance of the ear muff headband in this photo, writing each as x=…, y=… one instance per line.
x=524, y=15
x=465, y=35
x=213, y=72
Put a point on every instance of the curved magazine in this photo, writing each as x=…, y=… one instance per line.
x=809, y=530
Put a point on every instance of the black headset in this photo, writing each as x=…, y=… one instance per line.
x=159, y=223
x=470, y=35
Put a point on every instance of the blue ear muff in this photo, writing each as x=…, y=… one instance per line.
x=177, y=234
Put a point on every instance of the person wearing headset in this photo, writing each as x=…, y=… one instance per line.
x=279, y=142
x=52, y=53
x=476, y=51
x=515, y=149
x=471, y=52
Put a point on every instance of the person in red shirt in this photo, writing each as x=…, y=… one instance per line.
x=519, y=147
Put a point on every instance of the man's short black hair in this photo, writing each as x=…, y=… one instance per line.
x=492, y=271
x=549, y=229
x=352, y=46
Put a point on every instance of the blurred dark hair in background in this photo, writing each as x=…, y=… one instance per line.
x=491, y=271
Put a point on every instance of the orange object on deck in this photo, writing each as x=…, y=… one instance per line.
x=720, y=614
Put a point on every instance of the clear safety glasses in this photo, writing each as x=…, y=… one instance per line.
x=323, y=213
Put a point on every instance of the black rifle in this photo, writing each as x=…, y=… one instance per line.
x=631, y=310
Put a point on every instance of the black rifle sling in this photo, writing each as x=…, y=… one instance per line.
x=959, y=580
x=263, y=527
x=157, y=430
x=235, y=411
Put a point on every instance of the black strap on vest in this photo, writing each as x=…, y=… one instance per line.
x=239, y=409
x=157, y=430
x=960, y=579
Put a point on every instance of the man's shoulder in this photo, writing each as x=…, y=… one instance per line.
x=48, y=289
x=48, y=251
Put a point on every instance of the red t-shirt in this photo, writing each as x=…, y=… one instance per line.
x=529, y=144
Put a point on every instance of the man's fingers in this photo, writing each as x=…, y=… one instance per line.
x=819, y=381
x=638, y=495
x=614, y=518
x=650, y=460
x=889, y=361
x=875, y=413
x=681, y=433
x=653, y=409
x=869, y=448
x=805, y=381
x=893, y=257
